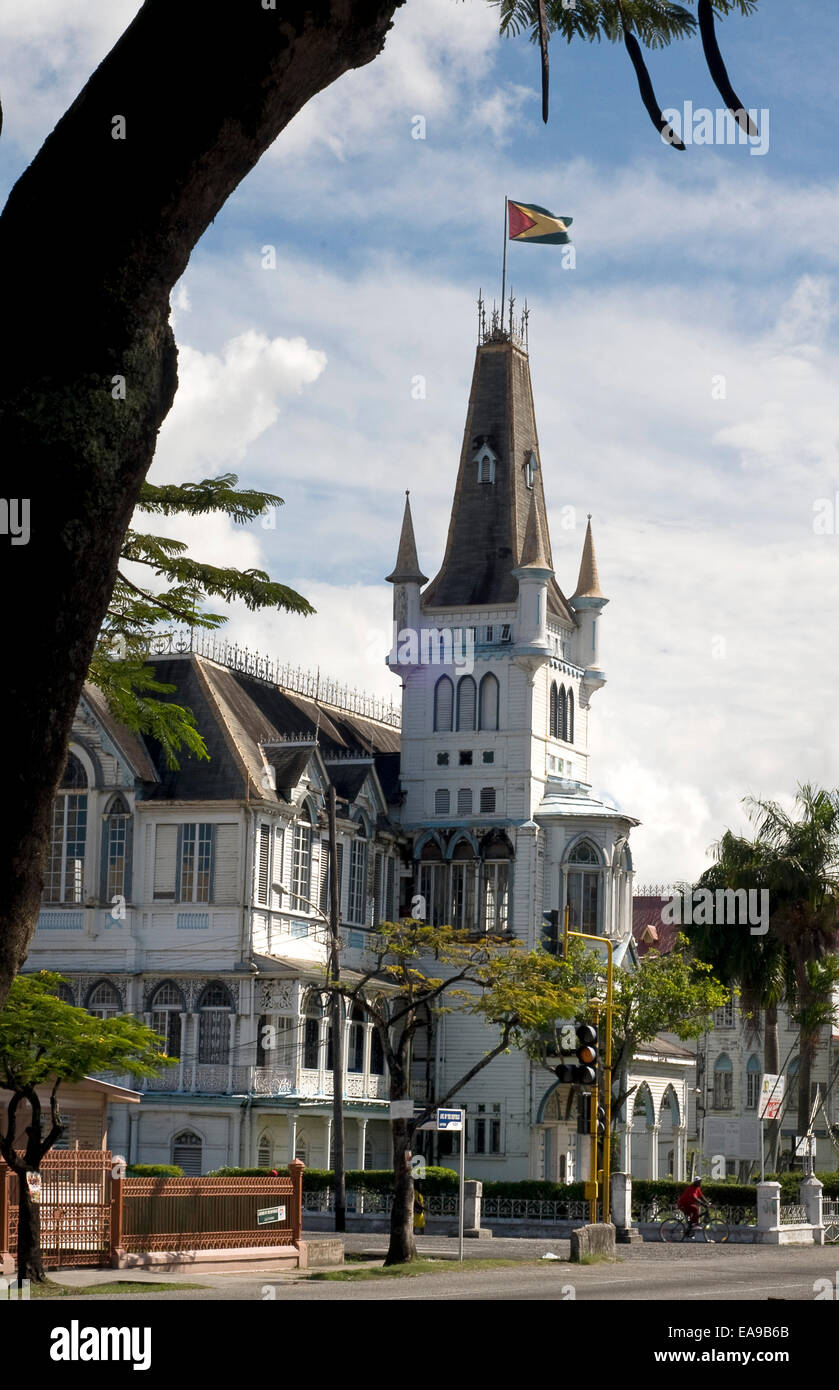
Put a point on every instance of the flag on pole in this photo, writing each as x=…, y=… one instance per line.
x=527, y=222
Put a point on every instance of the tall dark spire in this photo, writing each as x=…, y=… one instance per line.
x=500, y=476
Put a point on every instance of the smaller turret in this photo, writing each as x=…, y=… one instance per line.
x=407, y=580
x=587, y=601
x=534, y=571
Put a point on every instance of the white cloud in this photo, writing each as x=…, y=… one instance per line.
x=224, y=402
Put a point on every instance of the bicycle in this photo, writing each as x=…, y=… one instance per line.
x=674, y=1228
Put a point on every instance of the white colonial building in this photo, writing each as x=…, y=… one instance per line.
x=196, y=898
x=498, y=672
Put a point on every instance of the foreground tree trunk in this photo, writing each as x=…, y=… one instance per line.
x=402, y=1248
x=29, y=1260
x=94, y=235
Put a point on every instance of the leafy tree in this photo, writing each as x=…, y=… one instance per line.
x=445, y=970
x=135, y=611
x=144, y=165
x=44, y=1041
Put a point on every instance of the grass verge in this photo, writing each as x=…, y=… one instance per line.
x=115, y=1288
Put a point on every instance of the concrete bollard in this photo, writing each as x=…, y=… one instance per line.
x=768, y=1206
x=592, y=1240
x=621, y=1203
x=810, y=1193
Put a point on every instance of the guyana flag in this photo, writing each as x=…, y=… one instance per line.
x=531, y=223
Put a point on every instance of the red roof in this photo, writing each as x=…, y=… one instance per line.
x=651, y=934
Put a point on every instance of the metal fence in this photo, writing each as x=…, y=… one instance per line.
x=160, y=1214
x=793, y=1214
x=89, y=1215
x=75, y=1208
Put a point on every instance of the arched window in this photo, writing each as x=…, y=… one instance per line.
x=443, y=705
x=442, y=801
x=116, y=850
x=64, y=878
x=358, y=876
x=103, y=1001
x=263, y=1152
x=723, y=1083
x=570, y=729
x=753, y=1073
x=433, y=876
x=355, y=1048
x=301, y=867
x=488, y=801
x=466, y=701
x=311, y=1031
x=464, y=886
x=187, y=1153
x=553, y=724
x=166, y=1006
x=215, y=1007
x=464, y=801
x=584, y=888
x=64, y=993
x=562, y=715
x=489, y=703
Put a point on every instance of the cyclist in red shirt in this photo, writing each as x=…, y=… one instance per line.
x=690, y=1201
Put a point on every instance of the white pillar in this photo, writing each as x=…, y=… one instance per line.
x=652, y=1160
x=292, y=1135
x=231, y=1048
x=182, y=1050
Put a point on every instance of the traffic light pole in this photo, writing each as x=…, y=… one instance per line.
x=607, y=1069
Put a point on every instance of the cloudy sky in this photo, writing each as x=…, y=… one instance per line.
x=684, y=371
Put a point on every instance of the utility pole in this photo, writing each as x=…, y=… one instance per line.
x=339, y=1176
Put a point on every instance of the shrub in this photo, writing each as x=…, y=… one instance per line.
x=368, y=1179
x=154, y=1170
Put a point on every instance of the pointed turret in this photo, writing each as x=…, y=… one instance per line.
x=407, y=580
x=407, y=570
x=534, y=551
x=588, y=582
x=587, y=602
x=499, y=484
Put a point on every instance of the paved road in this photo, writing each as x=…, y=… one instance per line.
x=642, y=1273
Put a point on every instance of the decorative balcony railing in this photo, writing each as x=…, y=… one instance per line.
x=218, y=1079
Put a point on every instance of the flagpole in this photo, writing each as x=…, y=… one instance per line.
x=504, y=269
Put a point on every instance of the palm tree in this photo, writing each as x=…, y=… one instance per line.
x=796, y=859
x=755, y=964
x=804, y=912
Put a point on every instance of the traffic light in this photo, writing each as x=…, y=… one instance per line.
x=550, y=931
x=584, y=1044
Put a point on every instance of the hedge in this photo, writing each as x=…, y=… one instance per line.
x=154, y=1170
x=728, y=1193
x=370, y=1179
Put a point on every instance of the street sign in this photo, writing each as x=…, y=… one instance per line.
x=450, y=1120
x=401, y=1109
x=771, y=1096
x=266, y=1216
x=734, y=1138
x=418, y=1167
